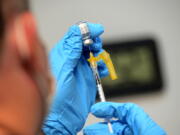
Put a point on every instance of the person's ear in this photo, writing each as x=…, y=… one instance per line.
x=19, y=40
x=22, y=32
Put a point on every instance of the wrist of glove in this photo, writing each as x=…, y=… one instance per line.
x=132, y=120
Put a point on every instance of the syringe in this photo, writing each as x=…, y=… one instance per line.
x=100, y=91
x=88, y=41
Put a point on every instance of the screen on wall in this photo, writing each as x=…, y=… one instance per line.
x=137, y=65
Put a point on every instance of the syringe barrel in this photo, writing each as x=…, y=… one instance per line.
x=101, y=93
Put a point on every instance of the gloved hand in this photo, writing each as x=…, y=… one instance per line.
x=75, y=84
x=132, y=120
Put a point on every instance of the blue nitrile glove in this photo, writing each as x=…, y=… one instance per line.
x=75, y=84
x=132, y=120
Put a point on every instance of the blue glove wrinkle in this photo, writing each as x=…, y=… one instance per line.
x=69, y=110
x=96, y=47
x=53, y=56
x=52, y=127
x=100, y=110
x=130, y=114
x=135, y=115
x=95, y=29
x=66, y=76
x=75, y=85
x=101, y=128
x=97, y=129
x=139, y=123
x=73, y=49
x=102, y=68
x=118, y=128
x=127, y=131
x=121, y=115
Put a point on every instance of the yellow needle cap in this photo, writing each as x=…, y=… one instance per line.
x=107, y=60
x=92, y=60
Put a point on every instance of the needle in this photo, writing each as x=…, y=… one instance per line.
x=101, y=92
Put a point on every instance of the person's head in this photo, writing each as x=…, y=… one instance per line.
x=24, y=78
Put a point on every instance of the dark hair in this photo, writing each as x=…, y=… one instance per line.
x=2, y=26
x=1, y=21
x=7, y=8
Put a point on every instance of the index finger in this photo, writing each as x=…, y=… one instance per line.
x=95, y=29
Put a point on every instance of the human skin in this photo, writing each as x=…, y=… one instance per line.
x=25, y=82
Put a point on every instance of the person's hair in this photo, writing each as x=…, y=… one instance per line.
x=1, y=26
x=1, y=21
x=7, y=9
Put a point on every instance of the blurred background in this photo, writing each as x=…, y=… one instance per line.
x=127, y=20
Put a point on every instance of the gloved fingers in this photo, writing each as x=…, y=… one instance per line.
x=121, y=128
x=130, y=114
x=72, y=44
x=122, y=111
x=104, y=109
x=96, y=47
x=101, y=128
x=102, y=68
x=95, y=29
